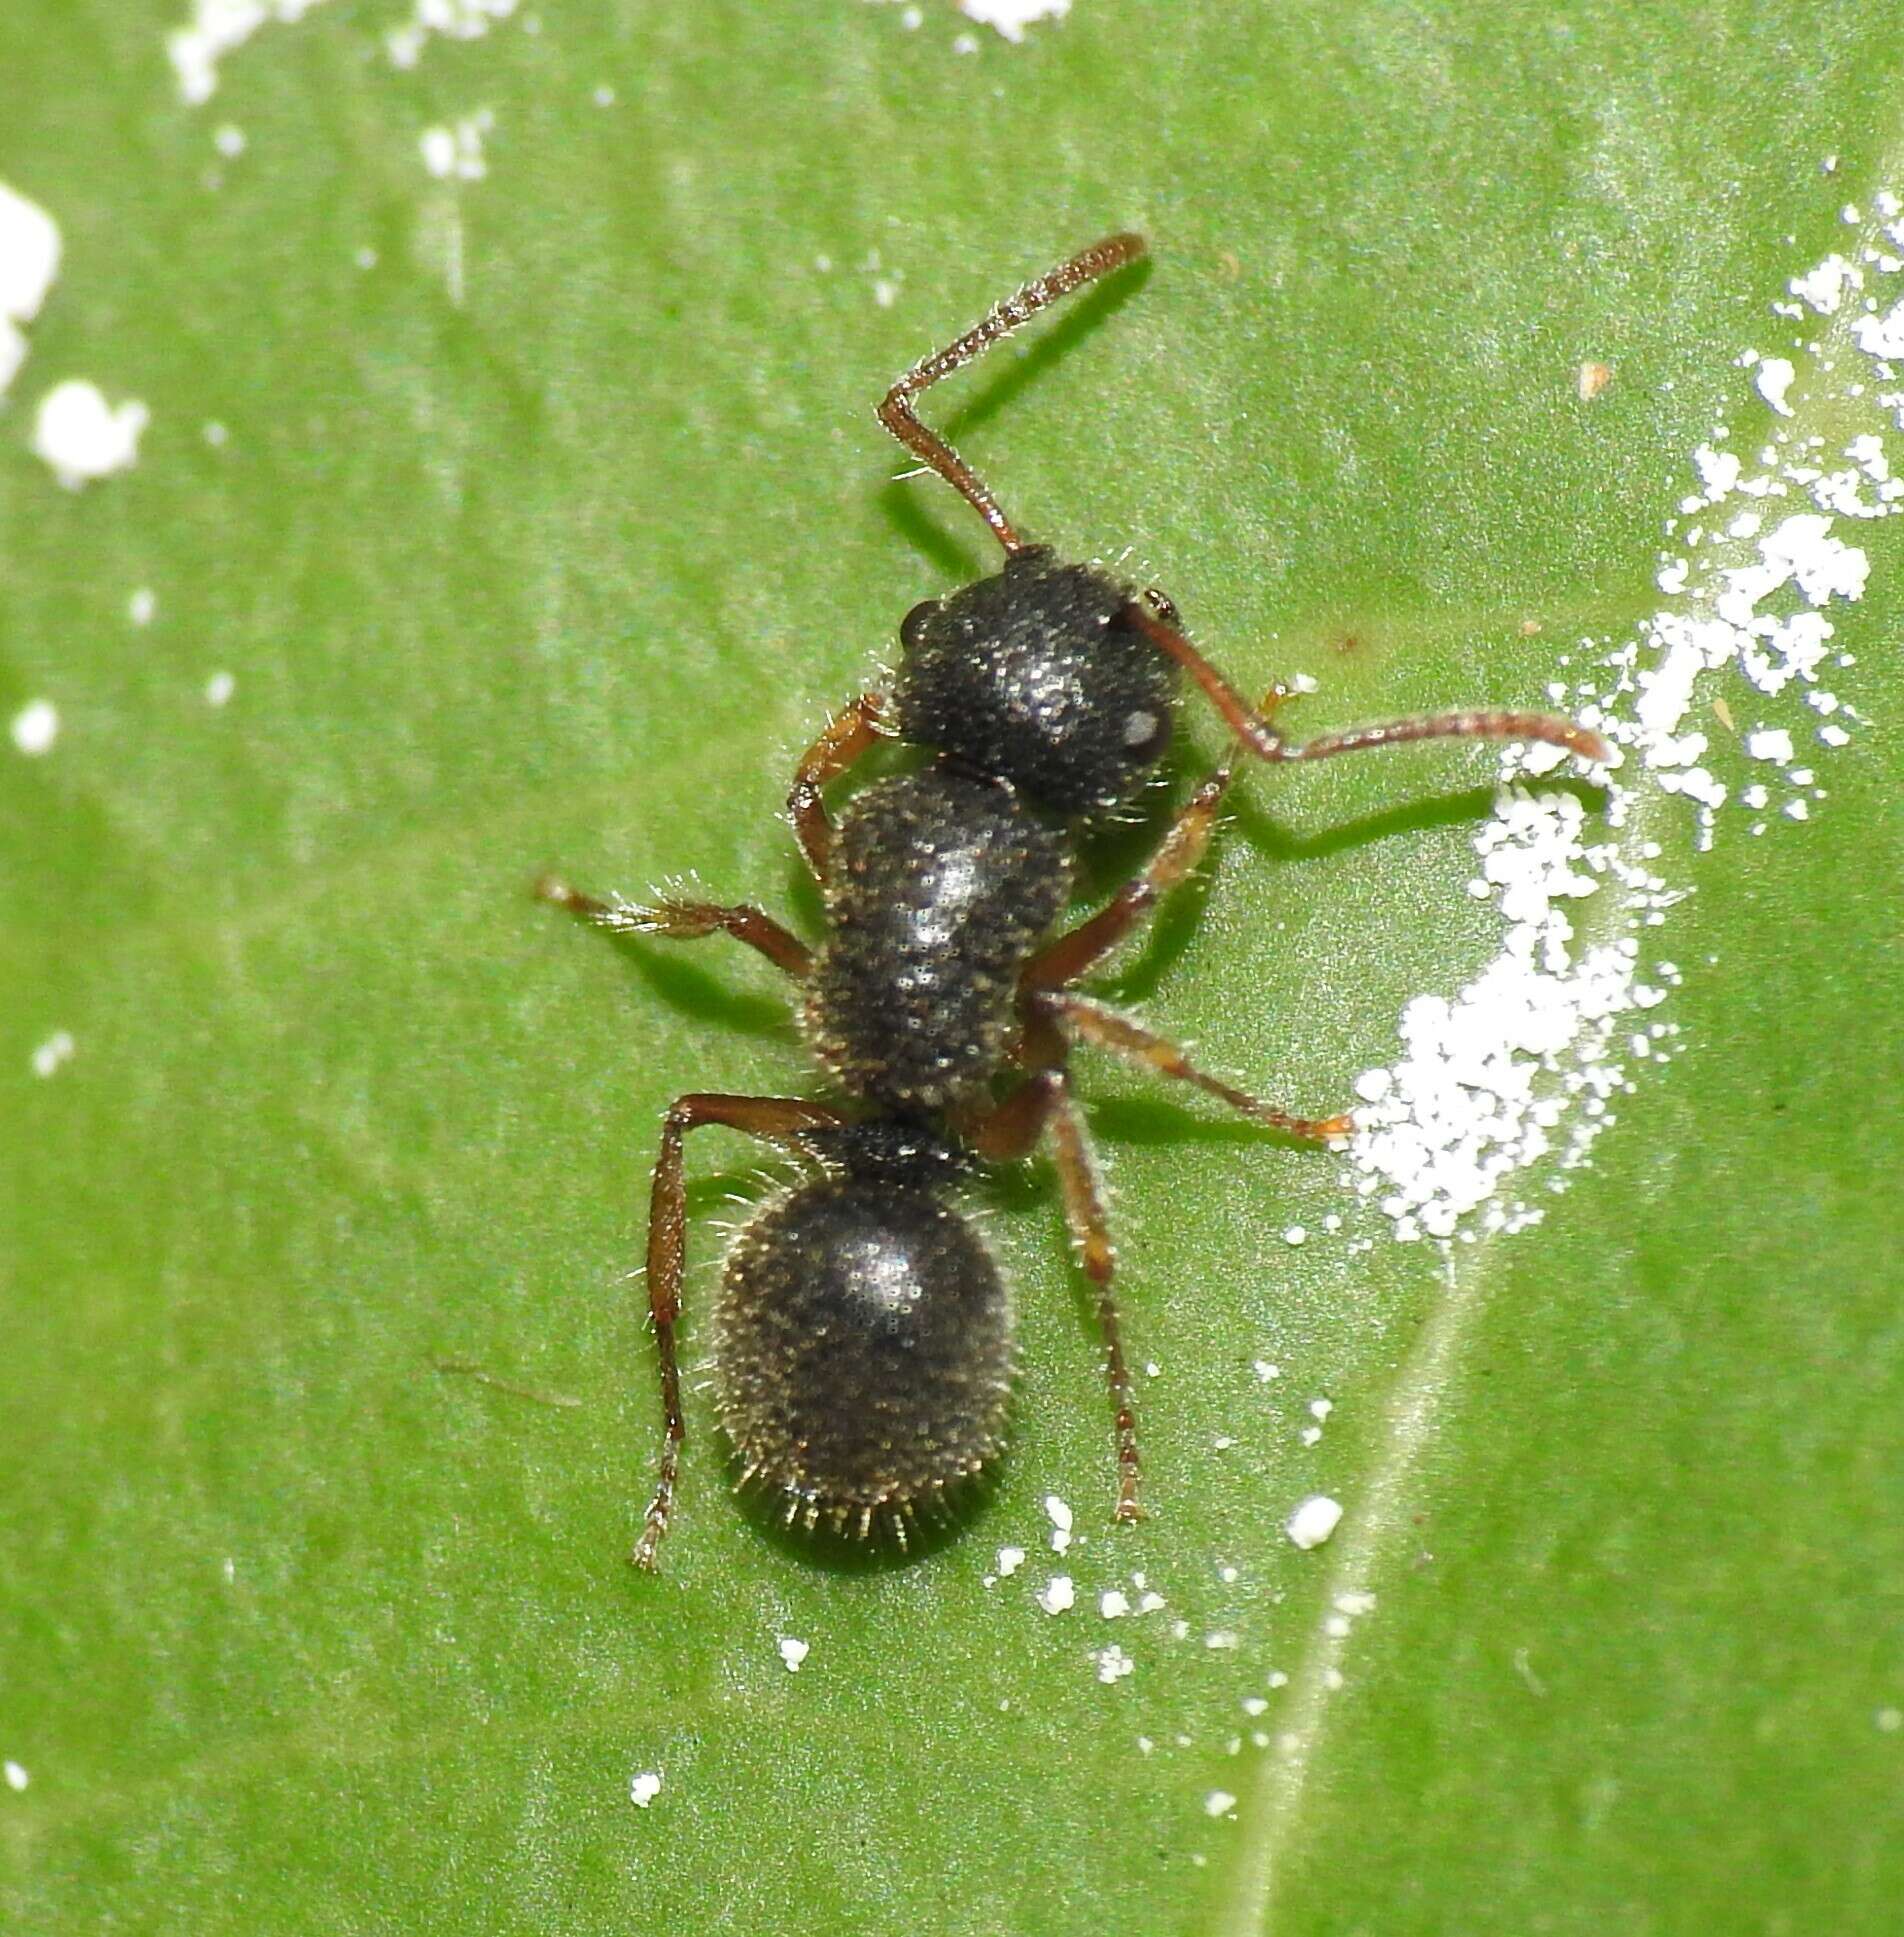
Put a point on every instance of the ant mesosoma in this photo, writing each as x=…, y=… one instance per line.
x=861, y=1351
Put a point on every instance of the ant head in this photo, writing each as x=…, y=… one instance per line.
x=1037, y=677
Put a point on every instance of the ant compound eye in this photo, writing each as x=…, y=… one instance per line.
x=912, y=627
x=1145, y=731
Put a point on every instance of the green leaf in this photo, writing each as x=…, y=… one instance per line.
x=543, y=522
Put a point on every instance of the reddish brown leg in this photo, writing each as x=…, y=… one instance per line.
x=684, y=921
x=775, y=1119
x=849, y=735
x=1045, y=1106
x=1262, y=739
x=1091, y=1022
x=896, y=412
x=1077, y=952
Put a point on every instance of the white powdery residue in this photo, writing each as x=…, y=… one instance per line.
x=453, y=19
x=1219, y=1802
x=1881, y=336
x=35, y=727
x=1113, y=1664
x=83, y=437
x=1057, y=1595
x=644, y=1788
x=141, y=606
x=1113, y=1604
x=29, y=260
x=219, y=689
x=1769, y=743
x=1313, y=1521
x=56, y=1050
x=456, y=153
x=1487, y=1075
x=793, y=1652
x=1012, y=17
x=215, y=29
x=1826, y=286
x=1060, y=1517
x=1774, y=380
x=16, y=1775
x=1010, y=1559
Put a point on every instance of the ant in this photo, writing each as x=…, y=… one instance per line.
x=862, y=1339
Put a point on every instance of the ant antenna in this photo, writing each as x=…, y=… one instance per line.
x=896, y=411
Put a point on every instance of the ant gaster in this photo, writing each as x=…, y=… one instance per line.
x=862, y=1351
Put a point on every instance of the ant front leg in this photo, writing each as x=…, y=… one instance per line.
x=685, y=921
x=850, y=735
x=1044, y=1106
x=774, y=1119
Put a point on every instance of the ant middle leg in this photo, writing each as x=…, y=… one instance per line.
x=1045, y=1106
x=685, y=921
x=774, y=1119
x=1082, y=1020
x=850, y=735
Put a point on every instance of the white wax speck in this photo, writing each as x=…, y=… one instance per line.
x=82, y=436
x=1057, y=1594
x=793, y=1652
x=16, y=1775
x=229, y=141
x=36, y=726
x=1773, y=380
x=1219, y=1802
x=644, y=1788
x=219, y=688
x=1769, y=743
x=1113, y=1604
x=1313, y=1521
x=1295, y=1235
x=1113, y=1664
x=56, y=1049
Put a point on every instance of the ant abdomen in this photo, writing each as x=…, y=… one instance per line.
x=1037, y=675
x=862, y=1351
x=940, y=889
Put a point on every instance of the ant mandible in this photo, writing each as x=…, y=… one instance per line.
x=861, y=1351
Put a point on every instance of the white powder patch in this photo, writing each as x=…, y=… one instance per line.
x=793, y=1652
x=644, y=1788
x=55, y=1051
x=452, y=19
x=216, y=28
x=1060, y=1517
x=16, y=1775
x=1774, y=380
x=1526, y=1063
x=219, y=689
x=1113, y=1664
x=141, y=606
x=1113, y=1604
x=36, y=726
x=1313, y=1521
x=1219, y=1802
x=29, y=260
x=1057, y=1595
x=83, y=437
x=1010, y=1559
x=455, y=153
x=1012, y=17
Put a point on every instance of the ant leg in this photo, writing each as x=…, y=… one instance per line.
x=896, y=412
x=1091, y=1022
x=1045, y=1106
x=1075, y=953
x=1255, y=731
x=685, y=921
x=849, y=736
x=775, y=1119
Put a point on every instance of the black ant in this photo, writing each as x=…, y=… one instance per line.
x=862, y=1339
